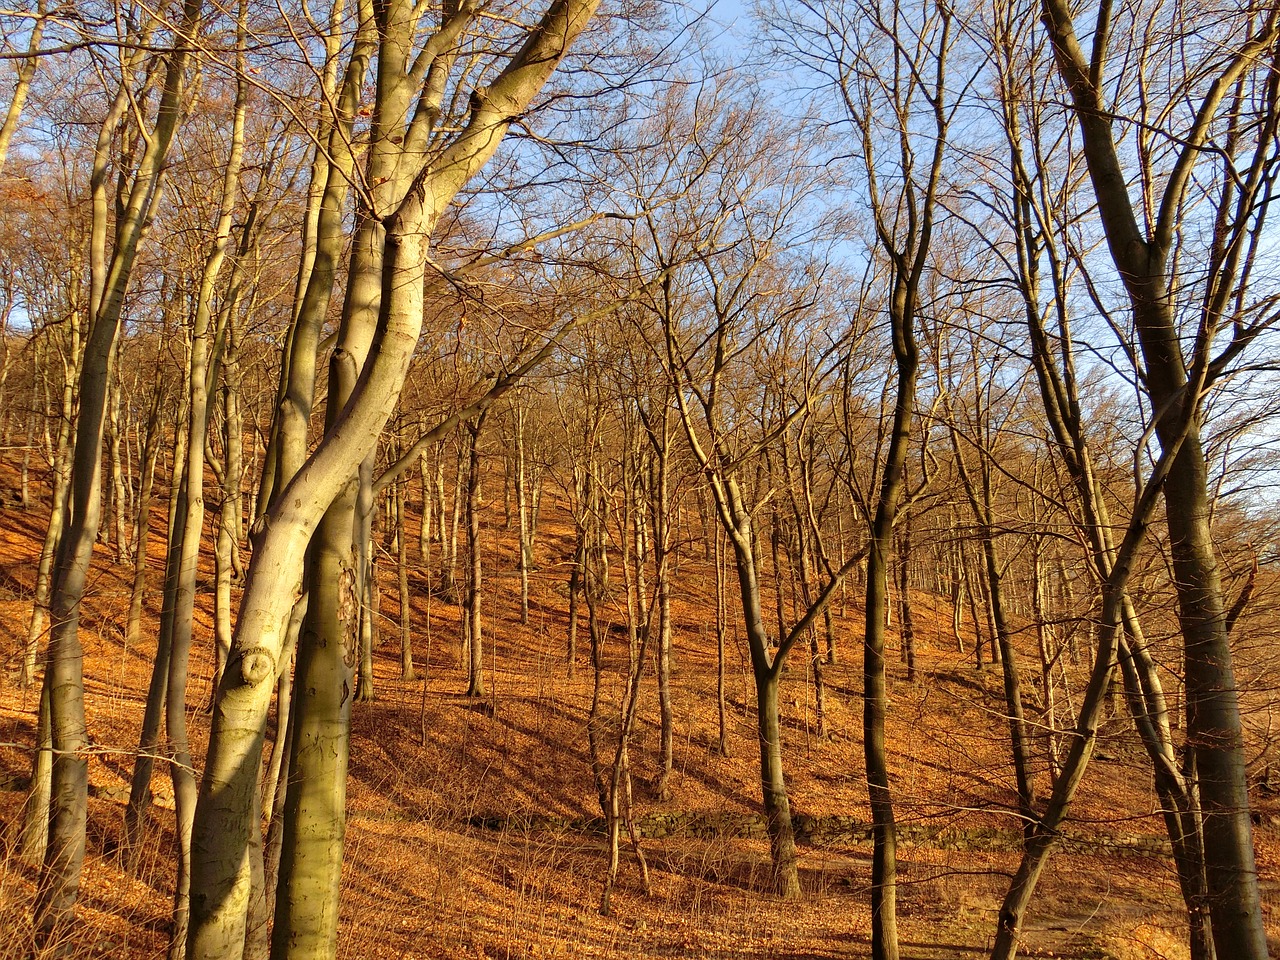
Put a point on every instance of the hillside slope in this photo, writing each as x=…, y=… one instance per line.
x=473, y=827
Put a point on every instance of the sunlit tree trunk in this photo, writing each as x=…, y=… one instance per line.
x=142, y=518
x=383, y=314
x=475, y=592
x=402, y=581
x=60, y=879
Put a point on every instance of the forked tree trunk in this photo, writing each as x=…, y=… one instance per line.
x=278, y=760
x=766, y=668
x=387, y=291
x=618, y=807
x=336, y=585
x=1050, y=650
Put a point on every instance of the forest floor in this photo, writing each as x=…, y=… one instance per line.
x=470, y=830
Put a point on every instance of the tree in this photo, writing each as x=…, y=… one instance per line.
x=728, y=318
x=111, y=269
x=898, y=129
x=1228, y=101
x=409, y=189
x=473, y=627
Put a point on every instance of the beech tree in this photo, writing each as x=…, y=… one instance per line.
x=726, y=318
x=1223, y=98
x=113, y=254
x=415, y=167
x=898, y=131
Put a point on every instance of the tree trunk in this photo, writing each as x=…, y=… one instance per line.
x=475, y=660
x=575, y=591
x=368, y=596
x=884, y=834
x=117, y=495
x=307, y=896
x=722, y=617
x=908, y=629
x=662, y=555
x=524, y=560
x=595, y=714
x=451, y=569
x=777, y=805
x=142, y=520
x=34, y=839
x=1214, y=731
x=428, y=507
x=402, y=581
x=767, y=673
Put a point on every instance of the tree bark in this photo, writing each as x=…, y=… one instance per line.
x=1176, y=388
x=475, y=592
x=402, y=582
x=60, y=879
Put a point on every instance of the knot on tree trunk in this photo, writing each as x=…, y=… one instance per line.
x=256, y=665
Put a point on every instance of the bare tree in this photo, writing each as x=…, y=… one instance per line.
x=1225, y=100
x=111, y=269
x=415, y=167
x=898, y=127
x=729, y=309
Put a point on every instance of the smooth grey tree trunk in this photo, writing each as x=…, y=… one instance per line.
x=60, y=879
x=407, y=207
